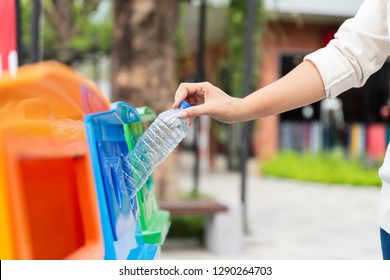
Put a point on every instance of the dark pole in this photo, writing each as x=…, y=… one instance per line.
x=200, y=78
x=18, y=32
x=249, y=58
x=201, y=40
x=35, y=18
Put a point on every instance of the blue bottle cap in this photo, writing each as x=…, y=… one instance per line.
x=184, y=105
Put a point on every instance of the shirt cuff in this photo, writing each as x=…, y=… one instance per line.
x=335, y=73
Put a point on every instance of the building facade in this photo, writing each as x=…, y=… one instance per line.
x=356, y=120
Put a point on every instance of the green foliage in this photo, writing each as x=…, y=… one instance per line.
x=195, y=195
x=181, y=43
x=186, y=226
x=236, y=44
x=333, y=167
x=180, y=32
x=90, y=26
x=95, y=27
x=25, y=20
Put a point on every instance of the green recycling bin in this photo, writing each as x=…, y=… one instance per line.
x=155, y=222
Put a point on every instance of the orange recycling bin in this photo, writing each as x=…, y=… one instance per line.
x=48, y=202
x=66, y=93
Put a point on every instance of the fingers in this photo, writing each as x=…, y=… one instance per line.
x=194, y=111
x=185, y=115
x=206, y=99
x=188, y=91
x=181, y=94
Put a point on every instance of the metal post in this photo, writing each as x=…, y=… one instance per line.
x=34, y=54
x=18, y=32
x=200, y=78
x=249, y=57
x=201, y=40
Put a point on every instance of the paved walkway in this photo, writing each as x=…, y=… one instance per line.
x=289, y=219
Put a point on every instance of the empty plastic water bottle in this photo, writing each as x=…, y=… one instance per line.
x=153, y=147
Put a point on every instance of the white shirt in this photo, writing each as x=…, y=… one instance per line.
x=360, y=48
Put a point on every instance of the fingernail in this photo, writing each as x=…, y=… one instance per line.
x=183, y=115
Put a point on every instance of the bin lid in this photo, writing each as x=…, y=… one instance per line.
x=67, y=93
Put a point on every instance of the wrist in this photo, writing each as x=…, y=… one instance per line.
x=238, y=109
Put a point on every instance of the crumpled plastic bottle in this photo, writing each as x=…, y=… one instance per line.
x=153, y=147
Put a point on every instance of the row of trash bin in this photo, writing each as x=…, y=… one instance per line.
x=61, y=144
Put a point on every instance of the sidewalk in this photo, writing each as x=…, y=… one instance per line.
x=289, y=219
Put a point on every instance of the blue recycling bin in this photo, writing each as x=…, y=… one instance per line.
x=121, y=227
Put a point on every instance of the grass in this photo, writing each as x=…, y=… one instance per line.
x=333, y=167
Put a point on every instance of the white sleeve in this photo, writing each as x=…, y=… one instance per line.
x=359, y=49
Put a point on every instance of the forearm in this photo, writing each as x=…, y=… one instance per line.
x=300, y=87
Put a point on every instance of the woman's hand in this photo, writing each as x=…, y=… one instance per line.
x=208, y=99
x=302, y=86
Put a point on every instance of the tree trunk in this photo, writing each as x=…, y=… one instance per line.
x=143, y=65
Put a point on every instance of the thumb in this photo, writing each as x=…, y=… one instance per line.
x=194, y=111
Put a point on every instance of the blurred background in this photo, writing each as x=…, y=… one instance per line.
x=304, y=182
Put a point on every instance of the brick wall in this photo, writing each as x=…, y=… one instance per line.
x=283, y=37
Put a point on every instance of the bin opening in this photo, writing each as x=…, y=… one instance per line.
x=52, y=202
x=52, y=207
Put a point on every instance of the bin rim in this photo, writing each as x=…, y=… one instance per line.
x=147, y=113
x=123, y=113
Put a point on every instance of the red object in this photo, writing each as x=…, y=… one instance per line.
x=329, y=35
x=7, y=31
x=376, y=141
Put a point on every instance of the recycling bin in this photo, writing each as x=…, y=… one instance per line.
x=48, y=205
x=120, y=214
x=155, y=222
